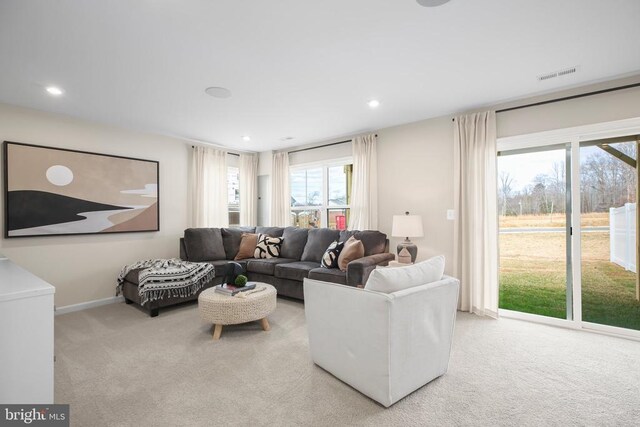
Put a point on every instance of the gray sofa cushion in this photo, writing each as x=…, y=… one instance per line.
x=345, y=234
x=333, y=275
x=318, y=241
x=204, y=244
x=295, y=270
x=294, y=241
x=265, y=266
x=374, y=242
x=270, y=231
x=231, y=238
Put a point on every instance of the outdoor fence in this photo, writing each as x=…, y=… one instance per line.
x=622, y=232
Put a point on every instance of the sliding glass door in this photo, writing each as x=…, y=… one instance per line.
x=568, y=241
x=534, y=214
x=608, y=221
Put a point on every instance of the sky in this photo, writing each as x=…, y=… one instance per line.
x=524, y=167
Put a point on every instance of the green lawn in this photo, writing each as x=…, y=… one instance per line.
x=532, y=280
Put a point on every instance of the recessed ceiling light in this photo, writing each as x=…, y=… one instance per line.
x=431, y=3
x=53, y=90
x=374, y=103
x=286, y=138
x=246, y=138
x=218, y=92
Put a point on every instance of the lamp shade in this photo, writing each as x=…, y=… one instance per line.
x=407, y=226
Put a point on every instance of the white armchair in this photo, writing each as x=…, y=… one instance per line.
x=384, y=345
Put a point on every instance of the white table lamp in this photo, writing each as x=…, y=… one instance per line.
x=407, y=226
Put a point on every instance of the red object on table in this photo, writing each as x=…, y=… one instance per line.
x=341, y=222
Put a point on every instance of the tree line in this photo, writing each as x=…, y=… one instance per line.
x=605, y=182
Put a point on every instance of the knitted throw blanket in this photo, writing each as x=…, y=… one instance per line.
x=166, y=278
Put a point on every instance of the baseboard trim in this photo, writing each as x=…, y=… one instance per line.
x=89, y=304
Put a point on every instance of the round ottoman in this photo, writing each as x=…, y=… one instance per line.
x=244, y=307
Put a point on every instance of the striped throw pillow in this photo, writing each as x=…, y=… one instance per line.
x=330, y=257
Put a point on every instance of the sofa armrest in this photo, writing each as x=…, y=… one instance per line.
x=358, y=270
x=183, y=250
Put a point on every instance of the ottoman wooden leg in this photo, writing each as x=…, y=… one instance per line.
x=265, y=324
x=217, y=331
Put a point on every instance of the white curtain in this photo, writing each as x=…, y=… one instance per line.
x=475, y=201
x=209, y=188
x=364, y=194
x=248, y=189
x=280, y=196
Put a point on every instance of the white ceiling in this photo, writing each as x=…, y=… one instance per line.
x=300, y=68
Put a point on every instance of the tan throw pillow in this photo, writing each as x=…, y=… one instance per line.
x=247, y=246
x=353, y=249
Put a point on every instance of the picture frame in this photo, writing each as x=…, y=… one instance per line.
x=50, y=191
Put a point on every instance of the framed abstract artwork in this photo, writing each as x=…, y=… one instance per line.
x=54, y=191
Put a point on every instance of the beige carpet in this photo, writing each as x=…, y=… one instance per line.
x=118, y=367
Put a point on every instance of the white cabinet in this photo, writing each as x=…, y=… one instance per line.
x=26, y=336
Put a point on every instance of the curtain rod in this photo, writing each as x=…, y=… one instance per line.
x=567, y=98
x=321, y=146
x=231, y=154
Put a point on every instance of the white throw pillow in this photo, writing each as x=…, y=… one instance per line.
x=395, y=279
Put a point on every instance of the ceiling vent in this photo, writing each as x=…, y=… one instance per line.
x=559, y=73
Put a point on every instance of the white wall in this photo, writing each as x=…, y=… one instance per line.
x=84, y=268
x=415, y=174
x=605, y=107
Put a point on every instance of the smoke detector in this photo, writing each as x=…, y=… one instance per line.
x=559, y=73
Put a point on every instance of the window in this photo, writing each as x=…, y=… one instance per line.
x=233, y=195
x=321, y=194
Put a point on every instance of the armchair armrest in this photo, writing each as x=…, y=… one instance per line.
x=358, y=270
x=349, y=333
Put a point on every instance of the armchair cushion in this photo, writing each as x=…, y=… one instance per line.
x=390, y=280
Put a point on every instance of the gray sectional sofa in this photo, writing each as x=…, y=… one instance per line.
x=300, y=256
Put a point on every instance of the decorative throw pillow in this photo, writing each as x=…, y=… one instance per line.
x=395, y=279
x=330, y=257
x=247, y=246
x=267, y=246
x=353, y=249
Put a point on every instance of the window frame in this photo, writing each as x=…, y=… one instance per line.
x=324, y=207
x=233, y=207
